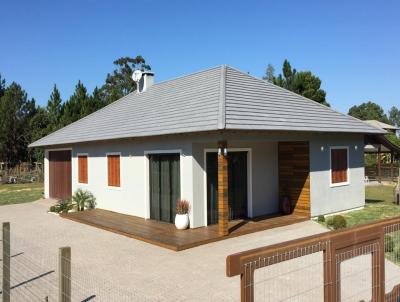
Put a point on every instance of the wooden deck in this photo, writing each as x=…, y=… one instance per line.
x=167, y=236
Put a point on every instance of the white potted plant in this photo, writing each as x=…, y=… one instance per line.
x=182, y=214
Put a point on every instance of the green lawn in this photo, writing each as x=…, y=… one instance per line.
x=378, y=205
x=20, y=193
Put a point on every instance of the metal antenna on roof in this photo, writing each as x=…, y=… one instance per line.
x=136, y=76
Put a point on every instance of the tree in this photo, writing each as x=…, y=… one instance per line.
x=76, y=107
x=95, y=102
x=269, y=73
x=2, y=86
x=40, y=125
x=16, y=112
x=120, y=83
x=308, y=85
x=394, y=116
x=369, y=111
x=304, y=83
x=54, y=107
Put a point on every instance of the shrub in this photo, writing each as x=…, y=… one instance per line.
x=321, y=218
x=182, y=206
x=397, y=253
x=52, y=209
x=336, y=222
x=63, y=206
x=84, y=199
x=389, y=244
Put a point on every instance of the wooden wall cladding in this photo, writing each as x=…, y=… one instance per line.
x=294, y=175
x=60, y=176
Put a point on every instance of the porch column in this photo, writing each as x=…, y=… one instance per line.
x=379, y=164
x=222, y=190
x=391, y=166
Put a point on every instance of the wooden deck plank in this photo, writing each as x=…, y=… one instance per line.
x=166, y=235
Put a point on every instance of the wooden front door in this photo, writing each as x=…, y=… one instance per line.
x=60, y=178
x=237, y=186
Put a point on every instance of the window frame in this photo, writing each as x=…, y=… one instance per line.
x=87, y=163
x=120, y=171
x=339, y=184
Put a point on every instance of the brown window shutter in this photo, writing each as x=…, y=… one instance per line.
x=339, y=165
x=113, y=162
x=82, y=169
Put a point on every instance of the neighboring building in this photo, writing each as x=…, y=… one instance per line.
x=381, y=125
x=386, y=153
x=175, y=139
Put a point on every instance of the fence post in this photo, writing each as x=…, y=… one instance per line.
x=6, y=262
x=247, y=283
x=64, y=274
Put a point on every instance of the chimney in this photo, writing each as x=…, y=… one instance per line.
x=146, y=81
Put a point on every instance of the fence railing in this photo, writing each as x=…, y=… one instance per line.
x=343, y=265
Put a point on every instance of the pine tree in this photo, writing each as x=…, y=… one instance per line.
x=2, y=86
x=304, y=83
x=54, y=106
x=16, y=111
x=269, y=74
x=77, y=106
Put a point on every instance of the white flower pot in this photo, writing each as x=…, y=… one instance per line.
x=181, y=221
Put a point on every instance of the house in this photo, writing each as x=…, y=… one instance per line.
x=231, y=144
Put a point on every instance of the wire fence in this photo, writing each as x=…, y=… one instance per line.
x=37, y=274
x=358, y=264
x=273, y=280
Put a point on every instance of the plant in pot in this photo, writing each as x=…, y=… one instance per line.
x=182, y=214
x=284, y=202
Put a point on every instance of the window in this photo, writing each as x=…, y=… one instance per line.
x=113, y=162
x=339, y=166
x=83, y=169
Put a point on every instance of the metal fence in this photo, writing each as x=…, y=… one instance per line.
x=356, y=264
x=51, y=275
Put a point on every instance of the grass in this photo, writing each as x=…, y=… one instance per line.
x=20, y=193
x=378, y=205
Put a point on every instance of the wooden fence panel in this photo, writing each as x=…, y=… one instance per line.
x=336, y=246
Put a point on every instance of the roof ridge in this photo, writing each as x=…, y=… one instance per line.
x=221, y=107
x=303, y=97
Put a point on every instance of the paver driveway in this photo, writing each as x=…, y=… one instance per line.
x=103, y=259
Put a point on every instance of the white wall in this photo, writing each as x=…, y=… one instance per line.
x=132, y=198
x=326, y=199
x=46, y=174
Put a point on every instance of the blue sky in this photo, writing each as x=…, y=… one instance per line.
x=353, y=46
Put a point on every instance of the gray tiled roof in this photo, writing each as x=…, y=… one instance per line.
x=218, y=98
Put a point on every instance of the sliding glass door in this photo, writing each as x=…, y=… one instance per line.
x=164, y=173
x=237, y=186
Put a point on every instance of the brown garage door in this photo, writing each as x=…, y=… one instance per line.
x=60, y=174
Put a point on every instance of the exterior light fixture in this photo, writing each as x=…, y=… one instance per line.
x=355, y=147
x=220, y=151
x=322, y=148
